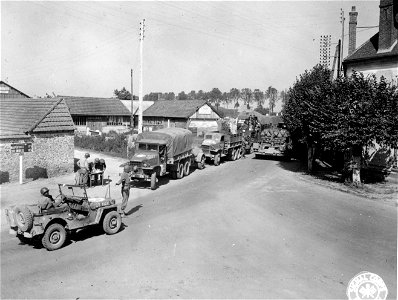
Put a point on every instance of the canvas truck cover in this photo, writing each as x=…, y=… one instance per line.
x=178, y=140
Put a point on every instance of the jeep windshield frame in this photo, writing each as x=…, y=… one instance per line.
x=73, y=189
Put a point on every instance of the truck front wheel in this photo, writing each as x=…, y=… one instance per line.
x=217, y=159
x=153, y=181
x=201, y=164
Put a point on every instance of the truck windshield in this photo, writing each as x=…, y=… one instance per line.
x=148, y=147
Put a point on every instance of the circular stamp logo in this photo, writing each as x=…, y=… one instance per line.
x=368, y=286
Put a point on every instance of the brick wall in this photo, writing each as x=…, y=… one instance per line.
x=52, y=155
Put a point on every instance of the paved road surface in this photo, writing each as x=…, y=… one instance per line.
x=245, y=229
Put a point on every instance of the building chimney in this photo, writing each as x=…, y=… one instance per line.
x=388, y=33
x=352, y=31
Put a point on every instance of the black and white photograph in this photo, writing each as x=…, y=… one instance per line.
x=199, y=149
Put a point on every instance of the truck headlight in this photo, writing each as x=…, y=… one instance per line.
x=145, y=165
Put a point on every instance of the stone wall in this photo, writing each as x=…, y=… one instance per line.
x=52, y=155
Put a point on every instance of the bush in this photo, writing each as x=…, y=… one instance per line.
x=111, y=142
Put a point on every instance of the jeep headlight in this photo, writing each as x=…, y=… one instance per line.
x=145, y=165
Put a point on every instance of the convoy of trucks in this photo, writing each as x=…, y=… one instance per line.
x=164, y=151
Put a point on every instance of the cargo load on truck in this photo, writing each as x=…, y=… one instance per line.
x=274, y=141
x=177, y=140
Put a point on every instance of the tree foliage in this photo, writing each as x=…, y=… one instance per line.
x=349, y=113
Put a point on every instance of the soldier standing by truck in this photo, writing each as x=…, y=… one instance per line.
x=125, y=181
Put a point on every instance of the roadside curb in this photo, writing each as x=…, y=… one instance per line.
x=391, y=200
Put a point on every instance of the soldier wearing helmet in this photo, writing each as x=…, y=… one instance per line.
x=47, y=201
x=125, y=181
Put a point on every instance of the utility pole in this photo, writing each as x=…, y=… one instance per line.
x=132, y=98
x=339, y=59
x=342, y=19
x=142, y=30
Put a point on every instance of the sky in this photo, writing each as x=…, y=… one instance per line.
x=88, y=48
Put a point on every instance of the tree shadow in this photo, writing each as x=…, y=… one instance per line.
x=36, y=172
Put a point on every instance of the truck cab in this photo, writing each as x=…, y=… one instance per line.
x=213, y=142
x=149, y=160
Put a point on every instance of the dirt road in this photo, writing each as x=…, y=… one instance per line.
x=246, y=229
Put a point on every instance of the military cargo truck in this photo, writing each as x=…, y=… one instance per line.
x=164, y=151
x=218, y=145
x=274, y=141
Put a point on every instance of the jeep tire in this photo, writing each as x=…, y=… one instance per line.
x=112, y=222
x=24, y=218
x=54, y=237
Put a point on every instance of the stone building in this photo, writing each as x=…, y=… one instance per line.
x=197, y=115
x=7, y=91
x=92, y=115
x=379, y=54
x=41, y=127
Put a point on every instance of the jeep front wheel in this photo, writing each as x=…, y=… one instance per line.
x=54, y=237
x=112, y=222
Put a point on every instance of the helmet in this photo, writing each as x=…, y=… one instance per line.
x=96, y=160
x=126, y=168
x=44, y=190
x=87, y=155
x=102, y=161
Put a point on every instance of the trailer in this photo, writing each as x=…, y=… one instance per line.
x=164, y=151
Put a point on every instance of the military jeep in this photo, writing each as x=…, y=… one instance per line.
x=76, y=211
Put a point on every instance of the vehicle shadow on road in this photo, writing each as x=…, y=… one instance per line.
x=134, y=209
x=86, y=233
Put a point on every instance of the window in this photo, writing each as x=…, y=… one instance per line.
x=82, y=121
x=115, y=120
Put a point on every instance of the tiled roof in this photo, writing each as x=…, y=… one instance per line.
x=174, y=108
x=369, y=49
x=85, y=106
x=11, y=87
x=21, y=116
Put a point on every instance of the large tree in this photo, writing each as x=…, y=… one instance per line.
x=258, y=97
x=311, y=90
x=234, y=95
x=246, y=94
x=182, y=96
x=215, y=96
x=123, y=94
x=272, y=95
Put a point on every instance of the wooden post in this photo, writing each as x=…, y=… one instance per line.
x=21, y=168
